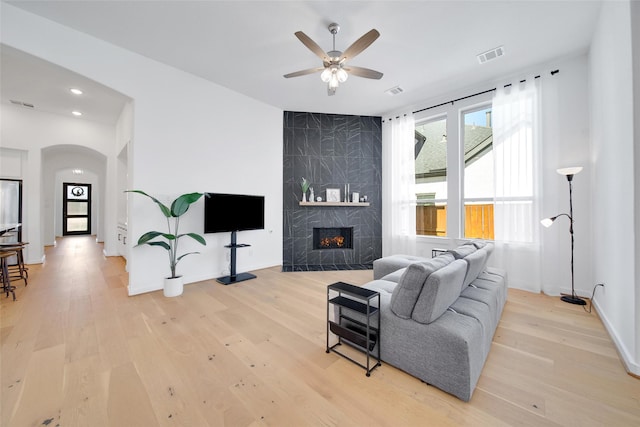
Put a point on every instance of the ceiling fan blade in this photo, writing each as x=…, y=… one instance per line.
x=364, y=72
x=303, y=72
x=359, y=45
x=313, y=46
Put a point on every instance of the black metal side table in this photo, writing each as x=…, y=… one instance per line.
x=362, y=334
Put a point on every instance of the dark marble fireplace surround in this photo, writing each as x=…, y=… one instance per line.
x=331, y=150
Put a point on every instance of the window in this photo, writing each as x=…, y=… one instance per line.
x=479, y=188
x=431, y=177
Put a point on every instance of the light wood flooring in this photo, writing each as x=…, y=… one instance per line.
x=77, y=351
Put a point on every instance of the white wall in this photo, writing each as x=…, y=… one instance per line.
x=87, y=177
x=635, y=40
x=565, y=113
x=188, y=135
x=614, y=261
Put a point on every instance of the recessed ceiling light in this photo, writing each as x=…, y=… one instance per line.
x=76, y=113
x=75, y=91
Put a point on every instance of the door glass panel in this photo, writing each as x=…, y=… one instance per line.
x=77, y=208
x=76, y=224
x=77, y=192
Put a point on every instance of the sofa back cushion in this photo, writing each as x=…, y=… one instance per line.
x=489, y=248
x=440, y=290
x=476, y=262
x=479, y=244
x=462, y=251
x=406, y=293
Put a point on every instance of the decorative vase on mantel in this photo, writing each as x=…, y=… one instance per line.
x=305, y=184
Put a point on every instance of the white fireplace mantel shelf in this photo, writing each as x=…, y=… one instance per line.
x=349, y=204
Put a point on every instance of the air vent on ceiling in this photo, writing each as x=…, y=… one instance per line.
x=394, y=90
x=22, y=104
x=491, y=54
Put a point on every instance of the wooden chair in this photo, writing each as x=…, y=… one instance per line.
x=4, y=271
x=18, y=270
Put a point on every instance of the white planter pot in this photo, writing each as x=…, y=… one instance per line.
x=173, y=286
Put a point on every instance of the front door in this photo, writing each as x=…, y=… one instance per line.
x=76, y=211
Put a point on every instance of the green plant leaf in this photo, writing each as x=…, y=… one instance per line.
x=198, y=238
x=149, y=235
x=182, y=203
x=162, y=244
x=184, y=255
x=165, y=210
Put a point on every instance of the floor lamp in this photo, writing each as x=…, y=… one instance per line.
x=569, y=173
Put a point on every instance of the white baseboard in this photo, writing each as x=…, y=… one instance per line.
x=630, y=365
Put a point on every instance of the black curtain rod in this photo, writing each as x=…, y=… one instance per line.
x=553, y=73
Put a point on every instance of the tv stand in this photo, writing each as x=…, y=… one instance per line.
x=233, y=277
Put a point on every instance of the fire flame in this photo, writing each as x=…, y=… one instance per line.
x=327, y=241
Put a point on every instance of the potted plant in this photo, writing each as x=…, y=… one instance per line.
x=305, y=187
x=173, y=285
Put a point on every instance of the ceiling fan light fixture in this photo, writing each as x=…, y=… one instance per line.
x=334, y=82
x=325, y=76
x=342, y=75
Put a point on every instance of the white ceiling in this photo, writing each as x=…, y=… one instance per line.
x=427, y=47
x=30, y=80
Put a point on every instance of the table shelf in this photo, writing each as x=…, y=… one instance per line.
x=363, y=335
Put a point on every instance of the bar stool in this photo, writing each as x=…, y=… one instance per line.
x=17, y=271
x=4, y=269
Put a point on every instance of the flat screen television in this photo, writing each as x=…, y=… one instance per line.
x=232, y=212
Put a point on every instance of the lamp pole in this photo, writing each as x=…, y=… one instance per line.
x=573, y=299
x=568, y=172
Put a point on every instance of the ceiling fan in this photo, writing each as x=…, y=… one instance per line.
x=334, y=70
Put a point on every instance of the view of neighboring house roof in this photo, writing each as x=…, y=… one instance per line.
x=431, y=150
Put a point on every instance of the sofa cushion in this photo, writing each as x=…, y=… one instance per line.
x=382, y=286
x=395, y=276
x=440, y=290
x=389, y=264
x=479, y=244
x=489, y=248
x=406, y=293
x=462, y=251
x=476, y=262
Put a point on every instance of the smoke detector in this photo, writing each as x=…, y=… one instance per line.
x=491, y=54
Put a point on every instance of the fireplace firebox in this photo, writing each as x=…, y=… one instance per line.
x=333, y=238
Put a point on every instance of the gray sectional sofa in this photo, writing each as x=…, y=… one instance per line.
x=439, y=315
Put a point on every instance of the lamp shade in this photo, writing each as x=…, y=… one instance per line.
x=547, y=222
x=570, y=171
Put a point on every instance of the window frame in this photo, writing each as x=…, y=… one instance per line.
x=453, y=113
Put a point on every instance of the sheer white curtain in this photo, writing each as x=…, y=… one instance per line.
x=516, y=148
x=398, y=182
